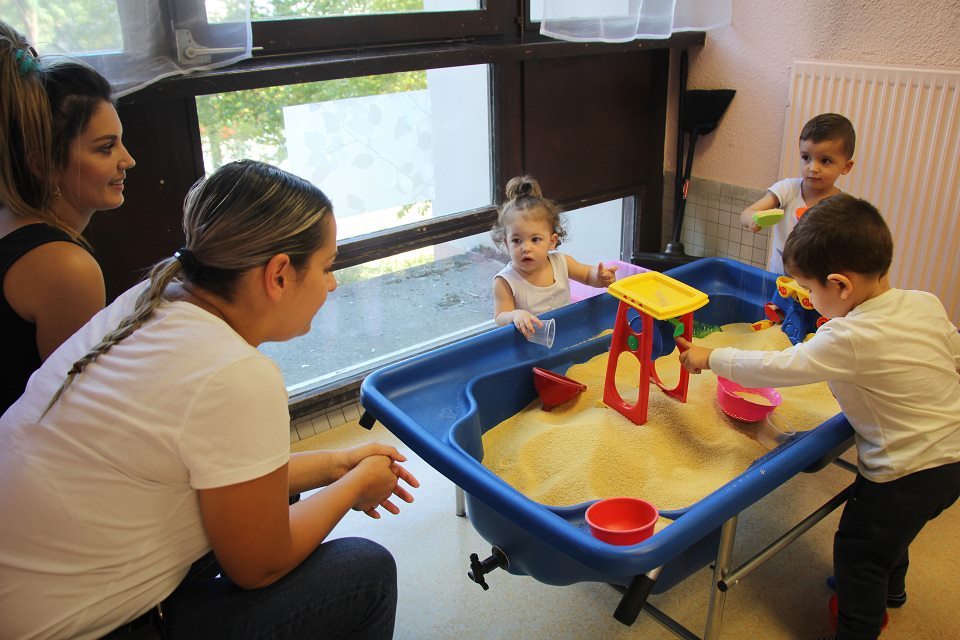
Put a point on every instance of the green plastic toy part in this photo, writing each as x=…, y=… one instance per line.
x=767, y=218
x=677, y=327
x=700, y=329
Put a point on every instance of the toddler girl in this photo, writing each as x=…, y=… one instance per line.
x=538, y=277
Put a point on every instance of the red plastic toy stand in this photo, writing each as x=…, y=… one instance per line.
x=637, y=413
x=653, y=295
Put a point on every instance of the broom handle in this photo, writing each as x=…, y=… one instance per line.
x=682, y=206
x=678, y=179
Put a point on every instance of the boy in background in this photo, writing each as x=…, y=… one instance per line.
x=892, y=359
x=827, y=143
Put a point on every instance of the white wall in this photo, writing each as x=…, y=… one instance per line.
x=753, y=55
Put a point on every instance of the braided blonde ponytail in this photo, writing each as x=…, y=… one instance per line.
x=161, y=275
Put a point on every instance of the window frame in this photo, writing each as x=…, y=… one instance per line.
x=282, y=36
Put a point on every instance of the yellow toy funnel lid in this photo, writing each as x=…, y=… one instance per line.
x=658, y=295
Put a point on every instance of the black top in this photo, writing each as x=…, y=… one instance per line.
x=21, y=357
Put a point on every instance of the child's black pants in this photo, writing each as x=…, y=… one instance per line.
x=878, y=524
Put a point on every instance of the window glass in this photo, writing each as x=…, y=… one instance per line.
x=282, y=9
x=388, y=150
x=392, y=308
x=389, y=309
x=536, y=10
x=79, y=26
x=593, y=233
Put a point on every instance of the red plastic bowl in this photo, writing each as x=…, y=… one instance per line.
x=742, y=409
x=622, y=520
x=555, y=389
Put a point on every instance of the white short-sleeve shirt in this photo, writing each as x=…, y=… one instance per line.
x=100, y=515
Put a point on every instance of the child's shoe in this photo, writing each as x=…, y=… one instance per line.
x=894, y=600
x=834, y=614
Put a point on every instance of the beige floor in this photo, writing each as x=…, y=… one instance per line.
x=784, y=599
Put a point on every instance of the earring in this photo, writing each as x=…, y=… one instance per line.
x=56, y=191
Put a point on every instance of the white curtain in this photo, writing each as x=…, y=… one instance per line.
x=625, y=20
x=136, y=42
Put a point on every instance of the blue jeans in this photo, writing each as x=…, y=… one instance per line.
x=347, y=588
x=870, y=554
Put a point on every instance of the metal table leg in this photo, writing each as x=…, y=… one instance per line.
x=718, y=597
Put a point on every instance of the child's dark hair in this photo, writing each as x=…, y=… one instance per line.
x=831, y=126
x=841, y=233
x=523, y=194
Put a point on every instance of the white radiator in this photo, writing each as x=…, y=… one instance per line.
x=907, y=160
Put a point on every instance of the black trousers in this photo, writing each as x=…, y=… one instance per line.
x=870, y=548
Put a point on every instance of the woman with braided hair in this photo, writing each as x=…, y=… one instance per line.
x=61, y=160
x=159, y=433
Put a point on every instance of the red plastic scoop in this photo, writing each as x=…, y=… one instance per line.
x=555, y=389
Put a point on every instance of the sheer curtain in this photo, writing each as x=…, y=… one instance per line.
x=136, y=42
x=625, y=20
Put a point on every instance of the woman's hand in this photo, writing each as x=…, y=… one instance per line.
x=694, y=359
x=525, y=322
x=352, y=456
x=379, y=477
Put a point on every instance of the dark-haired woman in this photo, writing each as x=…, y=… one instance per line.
x=62, y=159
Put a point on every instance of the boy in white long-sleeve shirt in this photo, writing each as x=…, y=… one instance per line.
x=892, y=359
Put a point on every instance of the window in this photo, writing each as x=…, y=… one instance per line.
x=595, y=233
x=388, y=150
x=392, y=308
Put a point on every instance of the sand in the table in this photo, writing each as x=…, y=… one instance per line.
x=584, y=450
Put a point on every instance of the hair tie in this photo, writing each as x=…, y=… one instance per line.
x=187, y=260
x=25, y=62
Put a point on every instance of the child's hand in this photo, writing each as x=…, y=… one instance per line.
x=525, y=322
x=694, y=359
x=606, y=276
x=746, y=219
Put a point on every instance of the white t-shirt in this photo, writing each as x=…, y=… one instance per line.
x=536, y=299
x=892, y=364
x=100, y=516
x=789, y=194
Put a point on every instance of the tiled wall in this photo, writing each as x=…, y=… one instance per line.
x=711, y=221
x=311, y=425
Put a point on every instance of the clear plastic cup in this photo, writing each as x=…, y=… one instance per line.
x=544, y=335
x=774, y=431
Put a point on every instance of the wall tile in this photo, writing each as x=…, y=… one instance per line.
x=336, y=417
x=711, y=225
x=305, y=429
x=351, y=411
x=321, y=423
